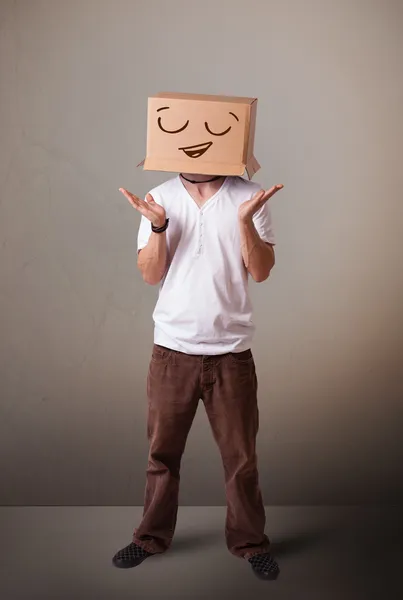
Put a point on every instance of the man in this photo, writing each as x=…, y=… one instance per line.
x=201, y=237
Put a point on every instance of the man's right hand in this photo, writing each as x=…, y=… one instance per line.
x=152, y=211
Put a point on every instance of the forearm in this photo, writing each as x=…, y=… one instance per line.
x=258, y=256
x=152, y=260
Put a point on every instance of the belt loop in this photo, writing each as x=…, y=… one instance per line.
x=173, y=358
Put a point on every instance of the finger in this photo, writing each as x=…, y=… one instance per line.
x=150, y=199
x=258, y=196
x=269, y=193
x=276, y=188
x=134, y=200
x=143, y=209
x=131, y=197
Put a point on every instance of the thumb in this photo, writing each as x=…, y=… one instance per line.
x=150, y=199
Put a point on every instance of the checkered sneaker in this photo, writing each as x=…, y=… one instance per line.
x=264, y=566
x=130, y=556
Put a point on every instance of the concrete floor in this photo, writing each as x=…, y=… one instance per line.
x=64, y=553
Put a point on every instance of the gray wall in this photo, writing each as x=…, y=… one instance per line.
x=76, y=329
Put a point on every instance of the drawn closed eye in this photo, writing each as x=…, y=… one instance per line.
x=169, y=130
x=221, y=132
x=212, y=132
x=172, y=130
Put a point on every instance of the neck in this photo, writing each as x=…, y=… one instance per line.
x=203, y=187
x=196, y=178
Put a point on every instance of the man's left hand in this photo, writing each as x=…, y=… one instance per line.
x=250, y=207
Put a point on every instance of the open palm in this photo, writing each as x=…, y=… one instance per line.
x=250, y=207
x=152, y=211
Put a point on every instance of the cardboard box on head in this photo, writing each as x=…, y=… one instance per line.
x=207, y=135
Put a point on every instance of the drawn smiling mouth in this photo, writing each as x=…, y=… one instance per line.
x=196, y=151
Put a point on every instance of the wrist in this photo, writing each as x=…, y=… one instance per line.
x=245, y=220
x=160, y=229
x=159, y=222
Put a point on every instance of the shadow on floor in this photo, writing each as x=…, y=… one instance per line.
x=289, y=546
x=183, y=542
x=286, y=546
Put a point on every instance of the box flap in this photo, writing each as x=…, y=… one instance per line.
x=205, y=168
x=252, y=166
x=205, y=97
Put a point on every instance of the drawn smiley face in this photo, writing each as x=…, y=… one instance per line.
x=196, y=150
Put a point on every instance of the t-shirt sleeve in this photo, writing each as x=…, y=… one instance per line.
x=143, y=233
x=263, y=223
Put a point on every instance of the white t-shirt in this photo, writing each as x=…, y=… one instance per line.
x=204, y=305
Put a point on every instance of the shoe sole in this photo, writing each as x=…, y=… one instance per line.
x=268, y=577
x=125, y=564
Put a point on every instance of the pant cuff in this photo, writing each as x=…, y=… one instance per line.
x=263, y=550
x=149, y=545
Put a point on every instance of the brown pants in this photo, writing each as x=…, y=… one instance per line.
x=227, y=385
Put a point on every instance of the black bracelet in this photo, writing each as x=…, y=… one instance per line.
x=160, y=229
